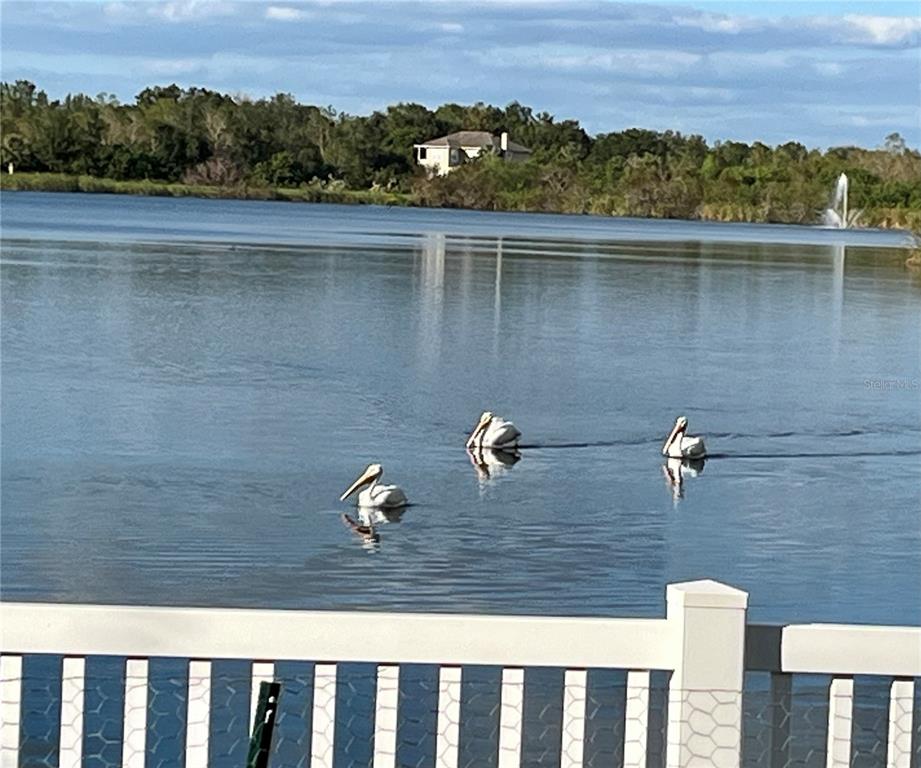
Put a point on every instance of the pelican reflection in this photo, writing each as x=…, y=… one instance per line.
x=365, y=524
x=491, y=463
x=675, y=470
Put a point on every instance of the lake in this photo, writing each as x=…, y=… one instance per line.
x=189, y=385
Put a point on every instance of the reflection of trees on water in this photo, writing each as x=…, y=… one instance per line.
x=431, y=305
x=497, y=299
x=837, y=294
x=431, y=282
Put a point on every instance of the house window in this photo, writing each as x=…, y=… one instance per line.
x=455, y=157
x=422, y=153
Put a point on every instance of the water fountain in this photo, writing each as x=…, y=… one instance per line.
x=836, y=215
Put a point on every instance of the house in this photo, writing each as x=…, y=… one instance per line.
x=447, y=152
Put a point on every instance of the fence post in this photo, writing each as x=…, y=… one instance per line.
x=707, y=620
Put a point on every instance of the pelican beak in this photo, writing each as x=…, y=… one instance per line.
x=363, y=479
x=676, y=430
x=481, y=425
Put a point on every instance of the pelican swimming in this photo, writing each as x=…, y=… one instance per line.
x=682, y=446
x=375, y=495
x=493, y=432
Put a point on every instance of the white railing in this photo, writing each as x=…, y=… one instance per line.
x=702, y=642
x=842, y=650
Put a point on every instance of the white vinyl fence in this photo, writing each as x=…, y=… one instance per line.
x=703, y=644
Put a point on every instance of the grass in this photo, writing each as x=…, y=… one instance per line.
x=59, y=182
x=887, y=218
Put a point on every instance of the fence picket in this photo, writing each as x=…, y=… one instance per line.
x=324, y=716
x=10, y=709
x=511, y=711
x=573, y=746
x=636, y=726
x=385, y=716
x=70, y=753
x=901, y=706
x=449, y=696
x=198, y=715
x=840, y=716
x=134, y=738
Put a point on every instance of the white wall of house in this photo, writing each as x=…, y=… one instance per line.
x=436, y=158
x=443, y=159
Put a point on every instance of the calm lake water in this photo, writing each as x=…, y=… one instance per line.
x=188, y=386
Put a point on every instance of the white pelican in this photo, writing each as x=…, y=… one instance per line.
x=682, y=446
x=375, y=495
x=493, y=432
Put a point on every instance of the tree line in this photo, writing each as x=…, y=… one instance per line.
x=201, y=137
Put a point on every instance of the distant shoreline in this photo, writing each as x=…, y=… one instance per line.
x=58, y=182
x=895, y=218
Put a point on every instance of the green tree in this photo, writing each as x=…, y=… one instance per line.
x=205, y=137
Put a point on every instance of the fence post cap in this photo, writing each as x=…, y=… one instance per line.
x=705, y=593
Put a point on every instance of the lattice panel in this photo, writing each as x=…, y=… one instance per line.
x=102, y=711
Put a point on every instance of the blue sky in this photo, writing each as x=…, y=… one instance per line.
x=824, y=73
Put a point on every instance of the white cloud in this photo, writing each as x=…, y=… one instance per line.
x=585, y=60
x=686, y=95
x=173, y=11
x=877, y=120
x=828, y=68
x=189, y=10
x=223, y=67
x=215, y=66
x=129, y=13
x=172, y=67
x=850, y=28
x=283, y=13
x=711, y=22
x=884, y=30
x=729, y=63
x=743, y=73
x=117, y=11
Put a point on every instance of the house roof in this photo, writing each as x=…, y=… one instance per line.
x=471, y=139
